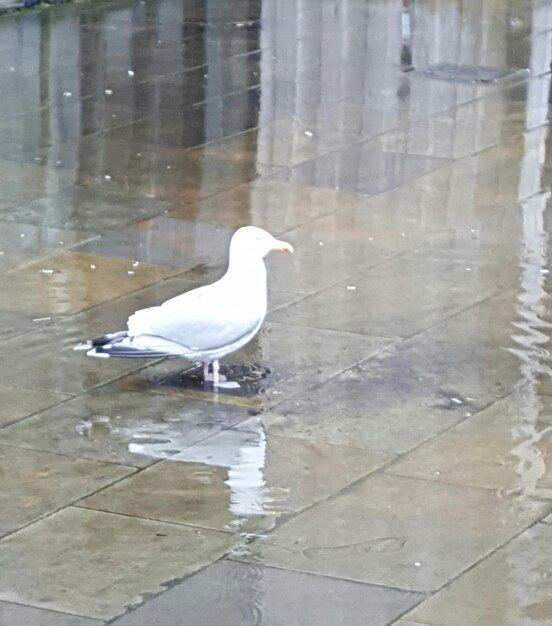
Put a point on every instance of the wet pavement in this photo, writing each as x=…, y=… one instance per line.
x=386, y=456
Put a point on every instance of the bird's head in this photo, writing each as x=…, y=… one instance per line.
x=256, y=242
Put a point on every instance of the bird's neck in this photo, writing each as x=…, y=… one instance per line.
x=247, y=270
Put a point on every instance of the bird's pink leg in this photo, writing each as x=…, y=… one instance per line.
x=205, y=371
x=215, y=373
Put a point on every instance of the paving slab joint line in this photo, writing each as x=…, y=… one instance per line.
x=95, y=621
x=482, y=559
x=393, y=338
x=72, y=503
x=331, y=444
x=382, y=469
x=330, y=577
x=76, y=505
x=167, y=586
x=63, y=455
x=451, y=427
x=350, y=277
x=21, y=419
x=405, y=613
x=26, y=332
x=468, y=308
x=94, y=388
x=427, y=594
x=306, y=389
x=382, y=352
x=403, y=126
x=406, y=340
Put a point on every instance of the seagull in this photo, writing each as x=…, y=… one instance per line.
x=206, y=323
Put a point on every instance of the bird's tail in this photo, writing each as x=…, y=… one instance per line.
x=116, y=345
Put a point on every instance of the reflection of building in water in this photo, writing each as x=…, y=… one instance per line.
x=335, y=77
x=532, y=330
x=241, y=452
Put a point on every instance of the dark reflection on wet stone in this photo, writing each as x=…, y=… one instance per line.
x=241, y=380
x=233, y=593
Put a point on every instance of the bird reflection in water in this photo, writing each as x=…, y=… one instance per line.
x=241, y=452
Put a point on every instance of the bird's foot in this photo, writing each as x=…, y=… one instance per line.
x=211, y=379
x=216, y=378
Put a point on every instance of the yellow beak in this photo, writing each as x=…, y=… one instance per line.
x=282, y=246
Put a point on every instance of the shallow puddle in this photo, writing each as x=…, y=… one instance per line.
x=383, y=446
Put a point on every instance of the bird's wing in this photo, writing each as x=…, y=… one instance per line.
x=206, y=318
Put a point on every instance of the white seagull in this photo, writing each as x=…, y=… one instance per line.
x=206, y=323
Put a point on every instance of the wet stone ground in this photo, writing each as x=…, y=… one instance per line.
x=386, y=457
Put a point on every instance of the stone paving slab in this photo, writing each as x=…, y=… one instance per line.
x=228, y=594
x=111, y=425
x=163, y=241
x=30, y=483
x=341, y=245
x=453, y=134
x=235, y=480
x=17, y=322
x=22, y=183
x=24, y=243
x=44, y=360
x=96, y=564
x=396, y=531
x=69, y=282
x=92, y=209
x=11, y=614
x=493, y=450
x=364, y=168
x=268, y=204
x=17, y=402
x=364, y=303
x=196, y=179
x=458, y=199
x=391, y=402
x=509, y=588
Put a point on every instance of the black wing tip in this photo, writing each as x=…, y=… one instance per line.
x=98, y=342
x=110, y=345
x=123, y=352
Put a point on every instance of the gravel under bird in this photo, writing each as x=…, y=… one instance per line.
x=206, y=323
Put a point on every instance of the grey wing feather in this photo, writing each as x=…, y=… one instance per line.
x=200, y=320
